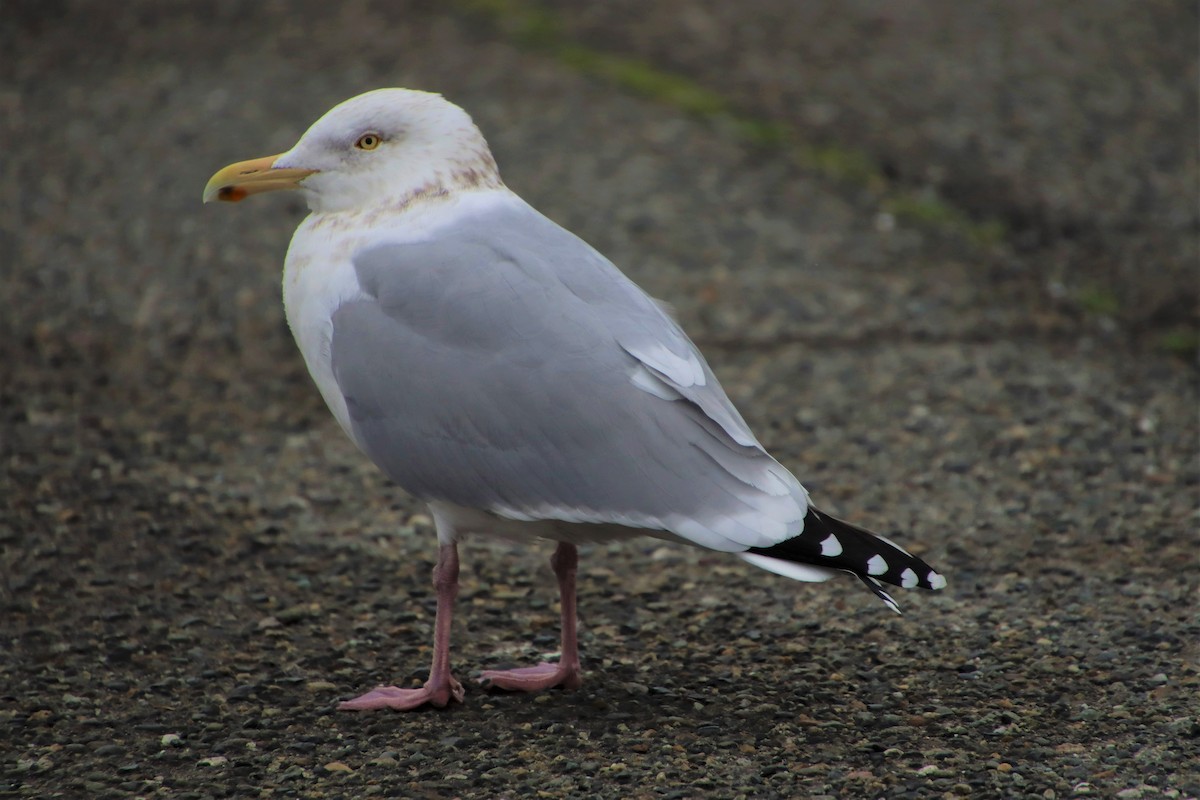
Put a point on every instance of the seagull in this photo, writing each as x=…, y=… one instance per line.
x=504, y=372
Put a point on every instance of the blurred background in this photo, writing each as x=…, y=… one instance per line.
x=944, y=257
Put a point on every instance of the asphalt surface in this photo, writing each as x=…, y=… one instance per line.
x=1074, y=127
x=195, y=565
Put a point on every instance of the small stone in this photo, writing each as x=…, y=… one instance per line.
x=213, y=761
x=290, y=616
x=338, y=766
x=320, y=686
x=171, y=740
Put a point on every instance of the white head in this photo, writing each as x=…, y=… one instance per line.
x=383, y=148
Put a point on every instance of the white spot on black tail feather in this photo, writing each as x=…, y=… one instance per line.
x=830, y=543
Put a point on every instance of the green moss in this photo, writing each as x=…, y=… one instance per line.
x=645, y=80
x=931, y=211
x=532, y=26
x=840, y=163
x=763, y=133
x=1183, y=342
x=526, y=23
x=1099, y=300
x=922, y=208
x=988, y=232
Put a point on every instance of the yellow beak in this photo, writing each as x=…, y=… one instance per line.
x=239, y=181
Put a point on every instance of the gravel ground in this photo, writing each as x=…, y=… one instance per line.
x=195, y=565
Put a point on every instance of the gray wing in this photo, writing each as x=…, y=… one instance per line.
x=507, y=366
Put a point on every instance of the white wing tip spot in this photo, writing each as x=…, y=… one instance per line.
x=877, y=565
x=936, y=581
x=831, y=547
x=908, y=579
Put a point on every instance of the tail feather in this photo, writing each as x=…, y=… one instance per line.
x=831, y=544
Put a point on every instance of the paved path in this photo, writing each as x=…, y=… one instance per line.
x=194, y=564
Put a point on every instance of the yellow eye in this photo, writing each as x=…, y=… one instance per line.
x=368, y=141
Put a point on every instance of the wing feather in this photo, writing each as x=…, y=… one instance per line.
x=508, y=367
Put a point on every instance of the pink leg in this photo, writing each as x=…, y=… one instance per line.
x=441, y=686
x=566, y=672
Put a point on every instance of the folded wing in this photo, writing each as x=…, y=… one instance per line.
x=509, y=367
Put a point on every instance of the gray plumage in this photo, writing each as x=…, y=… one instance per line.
x=507, y=366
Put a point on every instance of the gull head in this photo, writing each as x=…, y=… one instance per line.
x=385, y=148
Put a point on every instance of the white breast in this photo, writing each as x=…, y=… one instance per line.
x=318, y=276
